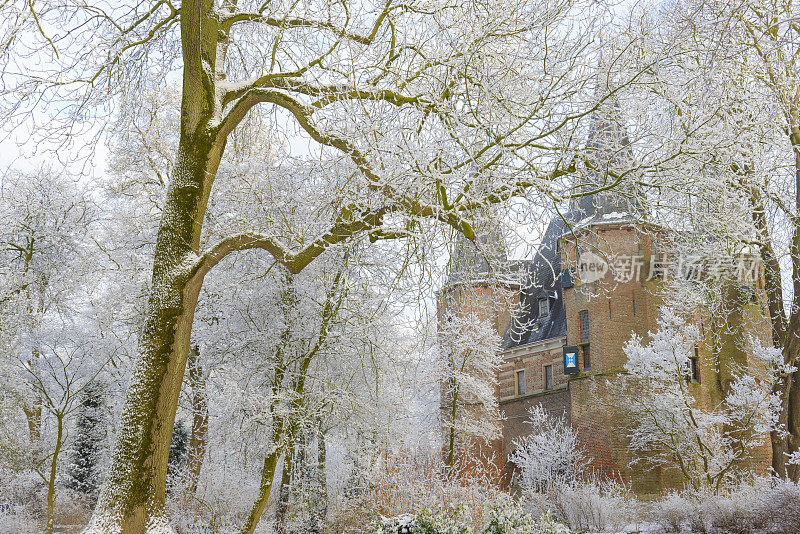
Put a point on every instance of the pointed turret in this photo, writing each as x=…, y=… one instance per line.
x=485, y=259
x=608, y=155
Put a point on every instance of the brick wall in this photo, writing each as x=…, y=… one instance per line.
x=515, y=411
x=494, y=303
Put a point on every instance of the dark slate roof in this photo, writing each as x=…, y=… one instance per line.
x=469, y=262
x=608, y=146
x=543, y=280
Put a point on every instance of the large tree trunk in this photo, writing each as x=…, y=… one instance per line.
x=132, y=498
x=785, y=330
x=197, y=443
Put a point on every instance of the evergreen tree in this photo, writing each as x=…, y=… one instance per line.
x=84, y=471
x=178, y=451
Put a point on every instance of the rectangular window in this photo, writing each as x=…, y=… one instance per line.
x=583, y=320
x=583, y=317
x=520, y=382
x=544, y=307
x=548, y=377
x=694, y=366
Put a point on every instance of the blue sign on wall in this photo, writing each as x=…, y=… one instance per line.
x=571, y=361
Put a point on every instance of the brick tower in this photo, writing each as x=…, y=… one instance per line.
x=480, y=284
x=553, y=309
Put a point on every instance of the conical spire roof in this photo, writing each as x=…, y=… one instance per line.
x=485, y=258
x=608, y=153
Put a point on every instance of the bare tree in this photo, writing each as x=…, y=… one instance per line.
x=59, y=377
x=730, y=97
x=406, y=105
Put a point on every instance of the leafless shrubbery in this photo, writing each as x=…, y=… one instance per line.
x=410, y=483
x=588, y=505
x=765, y=506
x=22, y=503
x=208, y=511
x=554, y=478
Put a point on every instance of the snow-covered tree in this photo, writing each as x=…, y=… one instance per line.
x=550, y=455
x=44, y=220
x=469, y=364
x=669, y=427
x=729, y=99
x=400, y=105
x=47, y=251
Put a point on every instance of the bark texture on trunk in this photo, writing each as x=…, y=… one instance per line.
x=132, y=497
x=199, y=438
x=785, y=327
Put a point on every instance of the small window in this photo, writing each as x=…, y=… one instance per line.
x=548, y=377
x=583, y=323
x=694, y=367
x=520, y=382
x=583, y=318
x=544, y=307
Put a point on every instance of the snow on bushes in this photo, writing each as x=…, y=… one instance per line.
x=507, y=518
x=549, y=456
x=764, y=506
x=510, y=518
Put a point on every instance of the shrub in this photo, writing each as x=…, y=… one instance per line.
x=548, y=456
x=506, y=518
x=596, y=505
x=408, y=484
x=453, y=521
x=764, y=506
x=510, y=518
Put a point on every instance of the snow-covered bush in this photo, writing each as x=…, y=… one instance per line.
x=668, y=427
x=410, y=483
x=549, y=456
x=451, y=521
x=553, y=478
x=17, y=515
x=213, y=508
x=510, y=518
x=21, y=495
x=765, y=506
x=591, y=505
